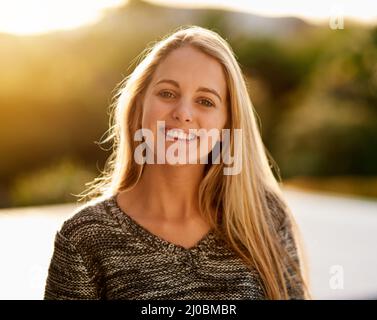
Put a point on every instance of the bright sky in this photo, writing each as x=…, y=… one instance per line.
x=314, y=10
x=40, y=16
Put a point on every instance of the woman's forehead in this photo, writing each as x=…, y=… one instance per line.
x=190, y=66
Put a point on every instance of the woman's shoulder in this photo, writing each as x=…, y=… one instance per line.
x=90, y=219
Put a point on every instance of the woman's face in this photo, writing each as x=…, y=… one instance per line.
x=188, y=91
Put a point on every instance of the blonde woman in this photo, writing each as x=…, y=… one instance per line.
x=186, y=230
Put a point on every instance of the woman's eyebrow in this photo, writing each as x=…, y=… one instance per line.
x=203, y=89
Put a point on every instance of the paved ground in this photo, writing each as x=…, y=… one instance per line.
x=339, y=233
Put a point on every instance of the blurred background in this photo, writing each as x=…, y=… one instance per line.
x=312, y=77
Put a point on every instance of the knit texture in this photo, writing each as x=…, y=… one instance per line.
x=100, y=252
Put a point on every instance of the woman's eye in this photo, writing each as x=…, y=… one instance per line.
x=207, y=103
x=166, y=94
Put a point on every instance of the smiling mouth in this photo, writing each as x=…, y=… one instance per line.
x=175, y=134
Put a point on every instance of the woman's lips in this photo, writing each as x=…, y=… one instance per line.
x=173, y=137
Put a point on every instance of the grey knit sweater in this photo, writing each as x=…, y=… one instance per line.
x=102, y=253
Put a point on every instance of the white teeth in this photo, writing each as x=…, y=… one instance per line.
x=174, y=133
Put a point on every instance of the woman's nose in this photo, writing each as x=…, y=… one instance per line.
x=183, y=112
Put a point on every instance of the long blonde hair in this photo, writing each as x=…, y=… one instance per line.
x=250, y=206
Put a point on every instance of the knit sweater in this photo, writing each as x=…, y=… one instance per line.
x=100, y=252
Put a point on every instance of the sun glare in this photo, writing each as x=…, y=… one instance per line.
x=26, y=17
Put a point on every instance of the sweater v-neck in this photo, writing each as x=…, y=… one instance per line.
x=154, y=239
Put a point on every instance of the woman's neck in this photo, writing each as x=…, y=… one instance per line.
x=170, y=192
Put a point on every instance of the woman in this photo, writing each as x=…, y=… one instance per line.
x=186, y=230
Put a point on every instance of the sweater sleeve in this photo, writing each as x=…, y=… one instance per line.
x=68, y=277
x=295, y=290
